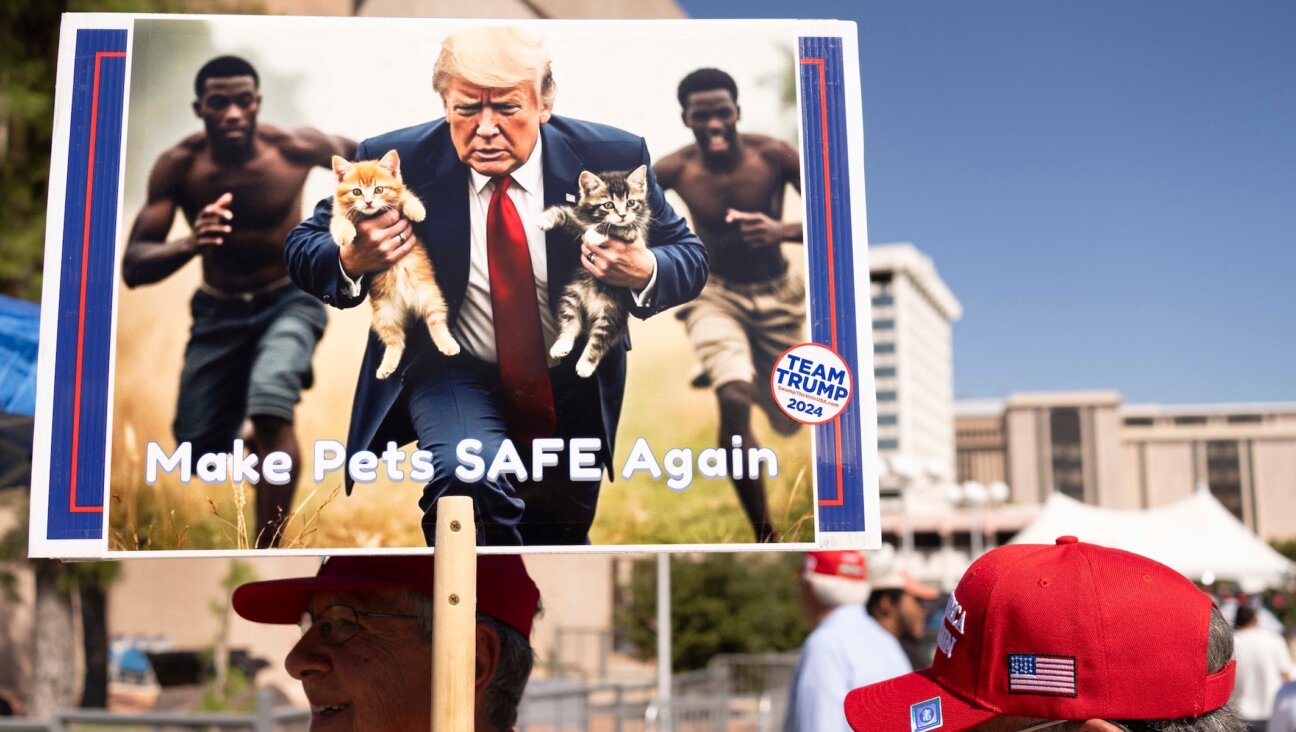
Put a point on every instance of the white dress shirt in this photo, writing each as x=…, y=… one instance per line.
x=475, y=327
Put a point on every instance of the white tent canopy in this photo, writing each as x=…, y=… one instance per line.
x=1196, y=536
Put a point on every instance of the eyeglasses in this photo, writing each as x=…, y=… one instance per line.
x=338, y=623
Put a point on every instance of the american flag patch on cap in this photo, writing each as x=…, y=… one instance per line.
x=1035, y=673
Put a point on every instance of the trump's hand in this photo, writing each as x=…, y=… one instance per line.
x=616, y=262
x=379, y=243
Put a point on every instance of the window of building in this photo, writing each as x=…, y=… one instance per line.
x=886, y=419
x=884, y=348
x=883, y=372
x=1224, y=474
x=1139, y=421
x=887, y=324
x=1194, y=419
x=883, y=300
x=889, y=444
x=1245, y=418
x=886, y=396
x=1068, y=452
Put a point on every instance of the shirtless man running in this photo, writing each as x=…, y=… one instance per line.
x=753, y=307
x=239, y=186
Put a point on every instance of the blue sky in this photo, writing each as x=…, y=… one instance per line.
x=1109, y=188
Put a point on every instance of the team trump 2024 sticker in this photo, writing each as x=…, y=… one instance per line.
x=811, y=383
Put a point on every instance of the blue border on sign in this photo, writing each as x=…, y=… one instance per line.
x=78, y=434
x=831, y=274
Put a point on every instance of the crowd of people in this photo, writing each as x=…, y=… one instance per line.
x=1072, y=637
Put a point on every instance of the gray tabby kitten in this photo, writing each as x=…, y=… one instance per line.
x=614, y=205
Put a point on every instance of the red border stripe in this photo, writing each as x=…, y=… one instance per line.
x=85, y=265
x=832, y=275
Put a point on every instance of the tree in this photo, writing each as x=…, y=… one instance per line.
x=720, y=603
x=29, y=34
x=54, y=683
x=92, y=580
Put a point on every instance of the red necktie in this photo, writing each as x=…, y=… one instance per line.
x=519, y=341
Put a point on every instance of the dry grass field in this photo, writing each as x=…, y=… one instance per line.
x=152, y=328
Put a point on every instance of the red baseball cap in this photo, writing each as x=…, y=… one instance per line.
x=837, y=577
x=849, y=565
x=1067, y=631
x=504, y=589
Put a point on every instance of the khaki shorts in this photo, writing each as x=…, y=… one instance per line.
x=740, y=329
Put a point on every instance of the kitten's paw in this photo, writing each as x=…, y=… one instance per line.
x=585, y=368
x=548, y=219
x=561, y=348
x=343, y=231
x=446, y=344
x=413, y=209
x=390, y=360
x=594, y=238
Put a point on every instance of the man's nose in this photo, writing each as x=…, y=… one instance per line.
x=234, y=112
x=307, y=658
x=486, y=125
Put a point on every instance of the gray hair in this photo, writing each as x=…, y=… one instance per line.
x=1219, y=650
x=504, y=693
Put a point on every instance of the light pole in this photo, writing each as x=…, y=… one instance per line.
x=975, y=496
x=904, y=469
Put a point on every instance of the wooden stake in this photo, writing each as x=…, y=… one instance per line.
x=454, y=636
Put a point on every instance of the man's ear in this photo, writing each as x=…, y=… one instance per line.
x=488, y=656
x=1097, y=725
x=197, y=107
x=737, y=113
x=546, y=112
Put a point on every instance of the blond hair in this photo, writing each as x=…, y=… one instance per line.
x=494, y=57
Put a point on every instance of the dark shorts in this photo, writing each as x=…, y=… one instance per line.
x=246, y=357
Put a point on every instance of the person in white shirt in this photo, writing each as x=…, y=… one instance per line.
x=1283, y=717
x=1264, y=664
x=847, y=647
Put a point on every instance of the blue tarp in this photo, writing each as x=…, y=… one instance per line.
x=19, y=329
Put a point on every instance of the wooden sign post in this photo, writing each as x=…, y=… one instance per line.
x=454, y=637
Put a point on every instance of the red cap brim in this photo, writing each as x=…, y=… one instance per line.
x=282, y=602
x=911, y=703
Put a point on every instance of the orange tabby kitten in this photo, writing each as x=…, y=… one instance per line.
x=409, y=287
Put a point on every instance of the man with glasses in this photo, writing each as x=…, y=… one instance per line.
x=1069, y=637
x=239, y=186
x=365, y=655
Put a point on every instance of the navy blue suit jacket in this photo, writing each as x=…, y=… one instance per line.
x=433, y=171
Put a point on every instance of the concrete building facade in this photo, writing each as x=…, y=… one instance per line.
x=913, y=365
x=1093, y=447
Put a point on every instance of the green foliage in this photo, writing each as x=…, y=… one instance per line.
x=83, y=574
x=240, y=573
x=29, y=32
x=1285, y=547
x=13, y=544
x=720, y=603
x=237, y=694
